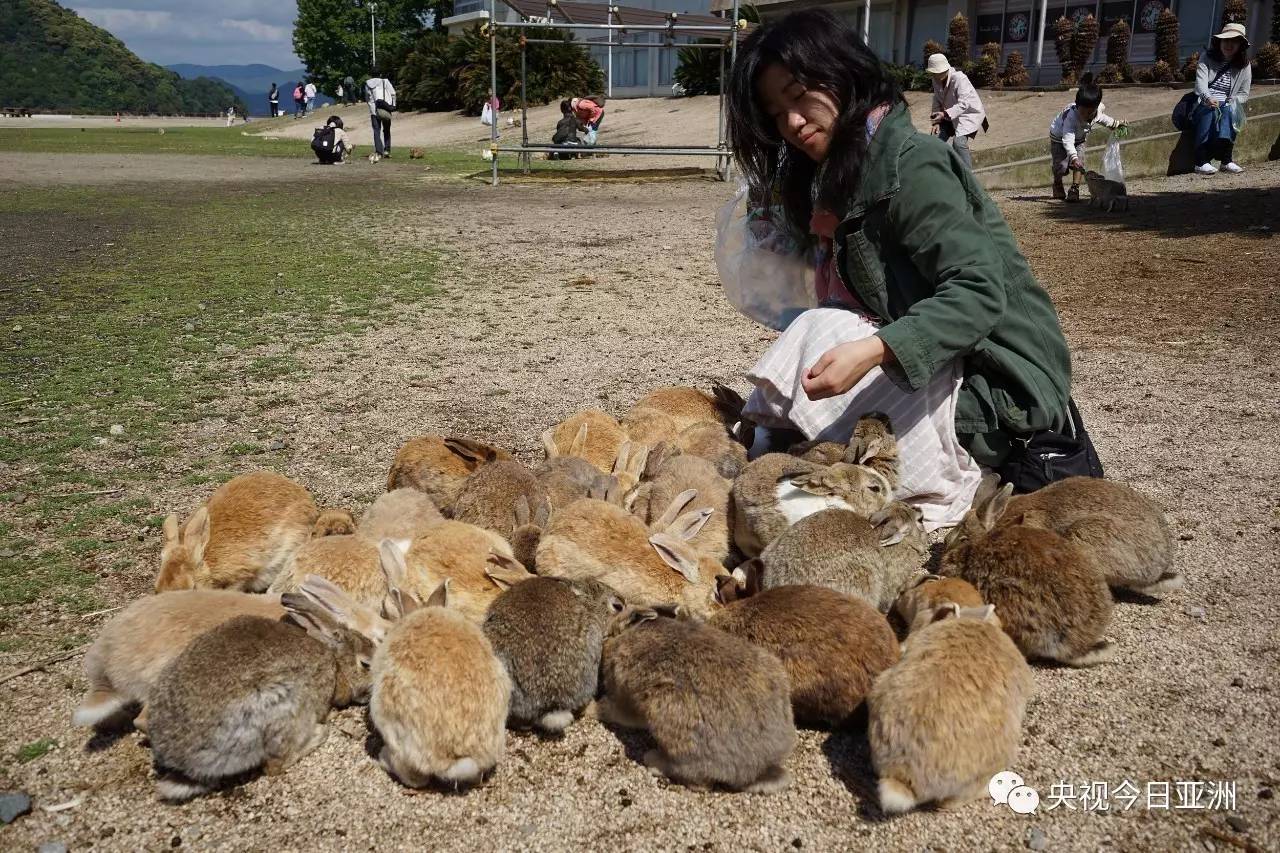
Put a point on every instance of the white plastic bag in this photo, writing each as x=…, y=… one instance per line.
x=589, y=138
x=1112, y=169
x=486, y=114
x=765, y=274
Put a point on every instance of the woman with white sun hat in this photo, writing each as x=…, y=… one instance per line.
x=957, y=111
x=1222, y=86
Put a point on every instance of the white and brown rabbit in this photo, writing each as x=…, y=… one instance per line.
x=240, y=538
x=135, y=646
x=869, y=558
x=440, y=695
x=548, y=632
x=717, y=706
x=439, y=466
x=252, y=693
x=601, y=540
x=948, y=716
x=1127, y=533
x=777, y=490
x=1050, y=593
x=832, y=645
x=401, y=515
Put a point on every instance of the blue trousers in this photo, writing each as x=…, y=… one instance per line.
x=1215, y=136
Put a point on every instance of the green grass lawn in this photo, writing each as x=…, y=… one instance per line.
x=146, y=309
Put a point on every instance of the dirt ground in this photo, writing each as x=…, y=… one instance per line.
x=567, y=296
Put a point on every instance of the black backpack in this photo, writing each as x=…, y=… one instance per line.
x=322, y=142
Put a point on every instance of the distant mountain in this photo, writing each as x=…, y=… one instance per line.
x=51, y=58
x=251, y=82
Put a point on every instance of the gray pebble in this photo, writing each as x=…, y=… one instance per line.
x=52, y=847
x=1238, y=823
x=1036, y=839
x=189, y=327
x=13, y=805
x=1237, y=682
x=117, y=429
x=276, y=444
x=1195, y=611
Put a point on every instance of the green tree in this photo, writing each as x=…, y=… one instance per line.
x=333, y=38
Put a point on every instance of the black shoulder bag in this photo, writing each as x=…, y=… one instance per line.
x=1046, y=456
x=1187, y=105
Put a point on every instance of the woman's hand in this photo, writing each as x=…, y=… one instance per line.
x=842, y=366
x=937, y=118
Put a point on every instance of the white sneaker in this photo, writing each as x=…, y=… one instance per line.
x=1206, y=169
x=1233, y=167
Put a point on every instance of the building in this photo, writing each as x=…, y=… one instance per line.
x=631, y=72
x=899, y=28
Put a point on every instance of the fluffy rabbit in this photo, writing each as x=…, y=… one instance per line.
x=649, y=426
x=439, y=466
x=600, y=540
x=1127, y=533
x=683, y=474
x=714, y=443
x=777, y=490
x=250, y=693
x=630, y=465
x=819, y=451
x=717, y=706
x=948, y=716
x=548, y=632
x=488, y=498
x=440, y=696
x=565, y=479
x=333, y=522
x=590, y=434
x=873, y=444
x=688, y=406
x=241, y=537
x=479, y=562
x=832, y=645
x=132, y=649
x=927, y=592
x=1052, y=598
x=868, y=558
x=401, y=515
x=528, y=531
x=349, y=562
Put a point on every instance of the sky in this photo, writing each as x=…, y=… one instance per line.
x=229, y=32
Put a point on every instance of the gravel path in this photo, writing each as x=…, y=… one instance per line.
x=560, y=297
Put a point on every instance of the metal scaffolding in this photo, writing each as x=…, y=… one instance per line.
x=616, y=29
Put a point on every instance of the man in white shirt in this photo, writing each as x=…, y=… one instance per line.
x=380, y=95
x=957, y=110
x=310, y=92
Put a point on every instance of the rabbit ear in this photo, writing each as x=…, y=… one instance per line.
x=750, y=576
x=946, y=611
x=989, y=613
x=579, y=445
x=658, y=456
x=542, y=513
x=891, y=528
x=549, y=443
x=521, y=511
x=475, y=453
x=504, y=571
x=394, y=570
x=309, y=616
x=639, y=616
x=620, y=461
x=170, y=529
x=728, y=401
x=677, y=505
x=688, y=525
x=196, y=535
x=675, y=554
x=922, y=579
x=990, y=511
x=440, y=597
x=728, y=588
x=678, y=612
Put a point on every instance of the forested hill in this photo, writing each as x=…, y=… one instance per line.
x=51, y=58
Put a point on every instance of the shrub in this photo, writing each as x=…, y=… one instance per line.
x=699, y=70
x=1083, y=41
x=1235, y=12
x=1015, y=72
x=930, y=48
x=1143, y=75
x=910, y=79
x=986, y=70
x=1118, y=44
x=1161, y=72
x=1111, y=73
x=1167, y=39
x=958, y=42
x=1188, y=72
x=1268, y=61
x=1063, y=29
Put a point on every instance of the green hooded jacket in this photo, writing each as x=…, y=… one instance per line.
x=924, y=248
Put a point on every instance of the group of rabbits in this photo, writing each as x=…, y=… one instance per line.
x=645, y=573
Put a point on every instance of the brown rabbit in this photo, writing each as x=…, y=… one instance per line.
x=714, y=443
x=136, y=645
x=439, y=466
x=401, y=515
x=488, y=498
x=479, y=562
x=927, y=592
x=717, y=706
x=1127, y=533
x=333, y=522
x=590, y=434
x=683, y=474
x=600, y=540
x=948, y=716
x=869, y=558
x=777, y=490
x=1052, y=597
x=820, y=451
x=350, y=562
x=833, y=645
x=873, y=444
x=649, y=426
x=565, y=479
x=688, y=406
x=241, y=538
x=528, y=532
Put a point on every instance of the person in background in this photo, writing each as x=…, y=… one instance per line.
x=273, y=98
x=1222, y=84
x=349, y=84
x=231, y=116
x=957, y=111
x=341, y=93
x=311, y=98
x=590, y=111
x=299, y=101
x=380, y=95
x=566, y=133
x=1068, y=132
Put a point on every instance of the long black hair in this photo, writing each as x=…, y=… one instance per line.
x=821, y=53
x=1240, y=60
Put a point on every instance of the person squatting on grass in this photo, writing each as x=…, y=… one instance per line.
x=957, y=111
x=1068, y=132
x=929, y=312
x=1222, y=84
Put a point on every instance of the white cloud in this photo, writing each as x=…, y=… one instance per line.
x=259, y=31
x=122, y=22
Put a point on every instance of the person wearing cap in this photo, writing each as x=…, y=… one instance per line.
x=1222, y=85
x=957, y=110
